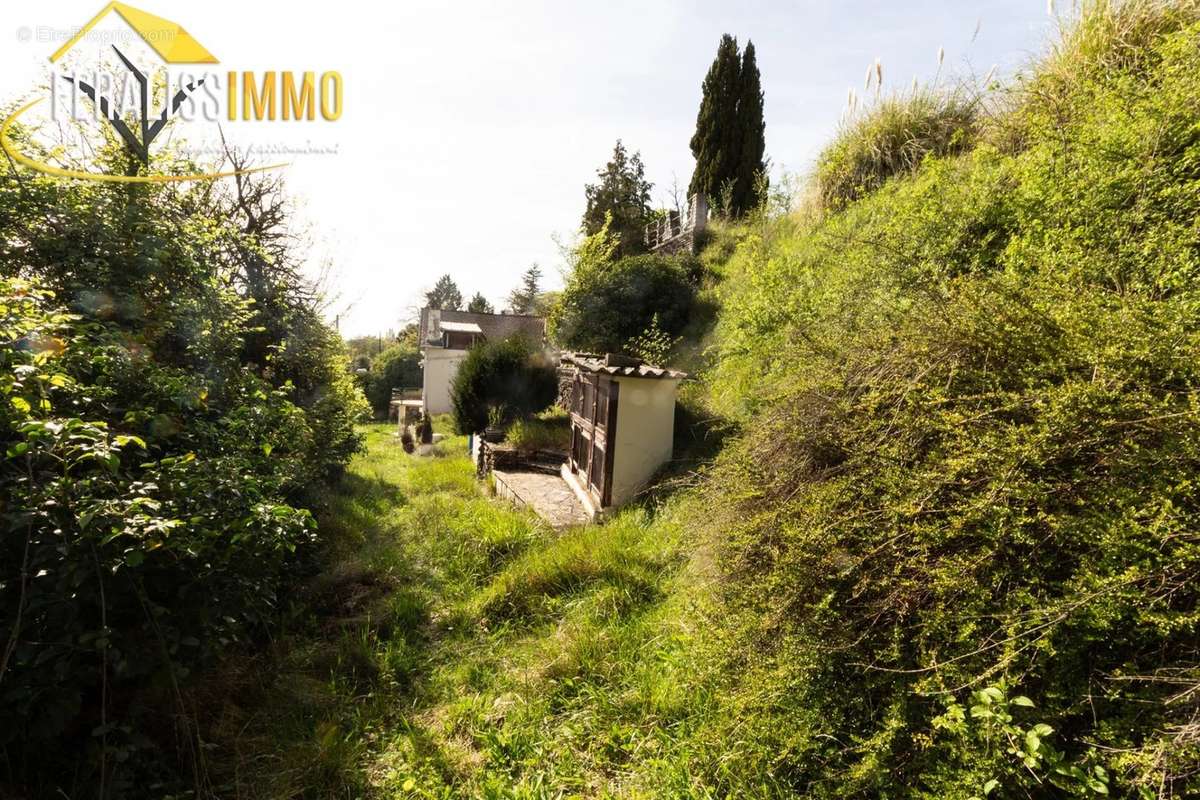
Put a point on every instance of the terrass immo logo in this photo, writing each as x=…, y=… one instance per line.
x=137, y=73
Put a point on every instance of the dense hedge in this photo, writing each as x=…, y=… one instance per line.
x=154, y=483
x=971, y=441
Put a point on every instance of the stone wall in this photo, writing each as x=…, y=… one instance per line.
x=671, y=235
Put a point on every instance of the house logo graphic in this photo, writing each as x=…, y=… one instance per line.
x=173, y=44
x=138, y=103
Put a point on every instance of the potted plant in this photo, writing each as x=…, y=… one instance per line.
x=495, y=430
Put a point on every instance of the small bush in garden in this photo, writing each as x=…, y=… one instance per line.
x=406, y=440
x=513, y=374
x=426, y=429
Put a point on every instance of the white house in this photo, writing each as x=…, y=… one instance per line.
x=622, y=426
x=445, y=337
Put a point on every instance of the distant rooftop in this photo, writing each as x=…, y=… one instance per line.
x=492, y=326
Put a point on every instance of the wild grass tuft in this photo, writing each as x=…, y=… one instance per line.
x=892, y=136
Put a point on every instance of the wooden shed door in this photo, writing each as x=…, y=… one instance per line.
x=593, y=428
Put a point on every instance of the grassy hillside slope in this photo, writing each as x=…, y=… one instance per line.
x=970, y=442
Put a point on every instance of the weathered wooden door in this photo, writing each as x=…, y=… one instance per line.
x=593, y=428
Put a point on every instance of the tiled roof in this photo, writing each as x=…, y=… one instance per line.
x=621, y=366
x=492, y=326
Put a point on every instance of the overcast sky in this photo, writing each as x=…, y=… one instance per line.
x=470, y=128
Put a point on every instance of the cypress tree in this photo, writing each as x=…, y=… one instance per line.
x=730, y=142
x=717, y=141
x=753, y=133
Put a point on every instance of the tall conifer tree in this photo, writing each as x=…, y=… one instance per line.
x=624, y=192
x=753, y=131
x=729, y=142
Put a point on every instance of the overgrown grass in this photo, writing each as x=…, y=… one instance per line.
x=456, y=647
x=547, y=430
x=892, y=136
x=964, y=457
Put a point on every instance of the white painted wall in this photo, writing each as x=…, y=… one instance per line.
x=440, y=368
x=645, y=433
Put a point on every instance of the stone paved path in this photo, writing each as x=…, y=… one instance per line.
x=548, y=495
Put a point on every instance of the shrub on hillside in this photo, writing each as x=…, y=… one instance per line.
x=606, y=305
x=511, y=377
x=892, y=137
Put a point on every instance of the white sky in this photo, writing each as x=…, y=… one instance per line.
x=470, y=128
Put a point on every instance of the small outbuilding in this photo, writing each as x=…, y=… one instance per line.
x=622, y=425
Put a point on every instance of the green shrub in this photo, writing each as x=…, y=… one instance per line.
x=511, y=376
x=606, y=305
x=169, y=401
x=136, y=545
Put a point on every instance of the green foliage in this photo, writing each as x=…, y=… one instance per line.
x=990, y=729
x=512, y=375
x=620, y=202
x=138, y=544
x=444, y=295
x=605, y=305
x=970, y=431
x=524, y=298
x=653, y=345
x=397, y=367
x=168, y=400
x=893, y=136
x=480, y=305
x=549, y=430
x=729, y=143
x=750, y=180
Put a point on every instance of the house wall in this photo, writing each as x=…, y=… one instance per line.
x=440, y=367
x=645, y=436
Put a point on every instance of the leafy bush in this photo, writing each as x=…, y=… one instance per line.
x=137, y=545
x=606, y=305
x=892, y=137
x=164, y=417
x=511, y=376
x=970, y=431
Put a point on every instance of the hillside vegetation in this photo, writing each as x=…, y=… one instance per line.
x=969, y=444
x=949, y=549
